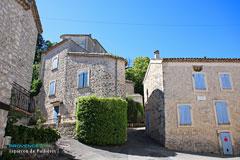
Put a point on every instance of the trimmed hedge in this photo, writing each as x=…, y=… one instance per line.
x=24, y=135
x=133, y=109
x=101, y=121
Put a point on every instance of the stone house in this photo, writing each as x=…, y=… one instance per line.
x=19, y=27
x=192, y=104
x=76, y=67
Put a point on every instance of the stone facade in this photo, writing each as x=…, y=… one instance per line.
x=169, y=83
x=19, y=26
x=106, y=78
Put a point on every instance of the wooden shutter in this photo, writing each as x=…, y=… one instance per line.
x=226, y=84
x=222, y=114
x=199, y=81
x=85, y=82
x=185, y=115
x=80, y=80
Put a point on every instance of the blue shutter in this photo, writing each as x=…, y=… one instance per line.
x=80, y=80
x=199, y=81
x=52, y=88
x=219, y=112
x=185, y=115
x=85, y=83
x=224, y=112
x=226, y=84
x=55, y=113
x=182, y=117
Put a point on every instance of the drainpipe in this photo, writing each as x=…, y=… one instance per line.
x=116, y=83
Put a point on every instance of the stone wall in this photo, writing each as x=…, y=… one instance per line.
x=18, y=35
x=154, y=101
x=64, y=128
x=129, y=87
x=106, y=74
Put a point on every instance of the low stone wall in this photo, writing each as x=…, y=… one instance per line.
x=64, y=128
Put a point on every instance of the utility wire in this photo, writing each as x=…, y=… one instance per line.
x=141, y=24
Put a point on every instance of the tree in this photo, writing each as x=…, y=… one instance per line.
x=41, y=46
x=137, y=73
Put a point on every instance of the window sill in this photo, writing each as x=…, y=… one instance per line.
x=51, y=95
x=54, y=69
x=83, y=88
x=227, y=90
x=185, y=125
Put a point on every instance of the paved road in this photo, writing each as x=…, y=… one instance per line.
x=138, y=147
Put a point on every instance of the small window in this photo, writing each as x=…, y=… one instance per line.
x=222, y=113
x=55, y=113
x=52, y=88
x=226, y=83
x=199, y=80
x=185, y=115
x=83, y=80
x=55, y=63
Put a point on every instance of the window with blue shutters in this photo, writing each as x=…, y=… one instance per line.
x=222, y=113
x=83, y=79
x=55, y=62
x=225, y=81
x=199, y=80
x=185, y=115
x=52, y=88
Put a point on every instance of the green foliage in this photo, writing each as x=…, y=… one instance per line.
x=37, y=118
x=24, y=135
x=41, y=46
x=10, y=156
x=101, y=121
x=35, y=87
x=133, y=109
x=114, y=55
x=137, y=73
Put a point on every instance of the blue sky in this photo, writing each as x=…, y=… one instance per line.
x=133, y=28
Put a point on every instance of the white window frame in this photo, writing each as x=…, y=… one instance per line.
x=56, y=57
x=54, y=88
x=88, y=81
x=215, y=113
x=205, y=80
x=178, y=115
x=220, y=81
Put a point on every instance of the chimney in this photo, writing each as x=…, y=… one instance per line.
x=156, y=54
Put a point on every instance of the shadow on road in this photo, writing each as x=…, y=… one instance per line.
x=140, y=144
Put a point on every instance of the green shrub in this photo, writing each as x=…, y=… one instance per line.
x=101, y=121
x=24, y=135
x=133, y=109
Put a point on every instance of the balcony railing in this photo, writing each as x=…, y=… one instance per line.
x=21, y=99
